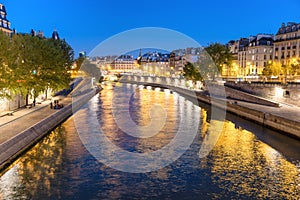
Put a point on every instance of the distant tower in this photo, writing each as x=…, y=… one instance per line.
x=4, y=23
x=139, y=59
x=55, y=35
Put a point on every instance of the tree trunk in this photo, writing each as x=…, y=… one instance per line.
x=27, y=97
x=46, y=93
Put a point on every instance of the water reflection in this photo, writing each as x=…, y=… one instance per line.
x=243, y=164
x=36, y=170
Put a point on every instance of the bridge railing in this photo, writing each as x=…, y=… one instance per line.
x=171, y=81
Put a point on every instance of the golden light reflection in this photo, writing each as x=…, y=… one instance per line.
x=147, y=99
x=34, y=170
x=205, y=124
x=239, y=160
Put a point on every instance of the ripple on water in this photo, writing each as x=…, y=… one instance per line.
x=240, y=166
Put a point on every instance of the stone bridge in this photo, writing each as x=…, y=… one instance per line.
x=208, y=90
x=167, y=81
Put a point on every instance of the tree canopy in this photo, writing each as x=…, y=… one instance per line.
x=191, y=72
x=219, y=56
x=273, y=69
x=31, y=63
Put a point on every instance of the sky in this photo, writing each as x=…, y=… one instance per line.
x=86, y=24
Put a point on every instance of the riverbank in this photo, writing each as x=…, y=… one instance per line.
x=21, y=132
x=283, y=118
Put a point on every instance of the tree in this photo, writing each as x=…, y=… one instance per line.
x=220, y=55
x=4, y=68
x=190, y=72
x=79, y=61
x=295, y=67
x=273, y=69
x=90, y=69
x=37, y=63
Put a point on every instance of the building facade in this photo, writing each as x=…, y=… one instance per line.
x=258, y=53
x=287, y=43
x=123, y=63
x=251, y=55
x=4, y=23
x=237, y=48
x=156, y=63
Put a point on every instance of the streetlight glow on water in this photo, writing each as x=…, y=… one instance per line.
x=244, y=163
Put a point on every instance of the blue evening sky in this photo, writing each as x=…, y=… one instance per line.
x=85, y=24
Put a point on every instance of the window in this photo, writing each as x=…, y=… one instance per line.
x=265, y=57
x=265, y=64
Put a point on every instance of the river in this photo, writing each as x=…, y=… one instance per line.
x=247, y=162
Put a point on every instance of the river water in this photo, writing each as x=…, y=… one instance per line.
x=247, y=162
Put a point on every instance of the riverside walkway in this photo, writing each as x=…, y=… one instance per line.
x=22, y=119
x=285, y=110
x=27, y=126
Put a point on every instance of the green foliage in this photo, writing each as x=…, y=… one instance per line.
x=29, y=63
x=90, y=69
x=273, y=69
x=295, y=67
x=220, y=56
x=4, y=69
x=191, y=72
x=79, y=61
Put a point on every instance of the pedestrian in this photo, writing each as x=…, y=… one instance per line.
x=51, y=105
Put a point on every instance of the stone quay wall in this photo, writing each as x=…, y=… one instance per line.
x=14, y=147
x=275, y=91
